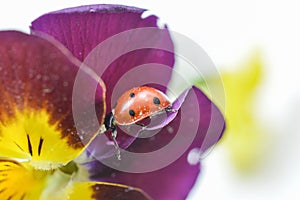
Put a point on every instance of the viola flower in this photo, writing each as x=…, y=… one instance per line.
x=81, y=30
x=40, y=135
x=38, y=139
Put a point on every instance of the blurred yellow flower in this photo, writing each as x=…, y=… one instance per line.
x=245, y=137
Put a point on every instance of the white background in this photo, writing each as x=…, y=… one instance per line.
x=228, y=31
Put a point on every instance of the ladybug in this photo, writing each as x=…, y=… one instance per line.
x=133, y=106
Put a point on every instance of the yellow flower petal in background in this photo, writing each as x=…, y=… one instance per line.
x=245, y=137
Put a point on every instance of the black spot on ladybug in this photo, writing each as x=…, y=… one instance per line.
x=156, y=101
x=131, y=94
x=131, y=113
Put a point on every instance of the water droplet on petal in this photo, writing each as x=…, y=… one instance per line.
x=128, y=189
x=39, y=76
x=47, y=90
x=170, y=129
x=194, y=156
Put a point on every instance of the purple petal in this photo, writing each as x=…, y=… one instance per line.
x=83, y=28
x=103, y=191
x=175, y=180
x=123, y=48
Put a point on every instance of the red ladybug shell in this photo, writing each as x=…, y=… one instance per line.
x=139, y=103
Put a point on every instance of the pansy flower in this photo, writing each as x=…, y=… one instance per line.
x=49, y=117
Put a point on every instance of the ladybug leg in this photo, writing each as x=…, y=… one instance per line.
x=170, y=110
x=140, y=124
x=110, y=125
x=114, y=137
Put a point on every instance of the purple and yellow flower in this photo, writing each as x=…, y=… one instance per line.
x=39, y=135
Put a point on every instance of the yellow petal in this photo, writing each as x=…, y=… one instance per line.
x=18, y=181
x=245, y=137
x=30, y=136
x=241, y=83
